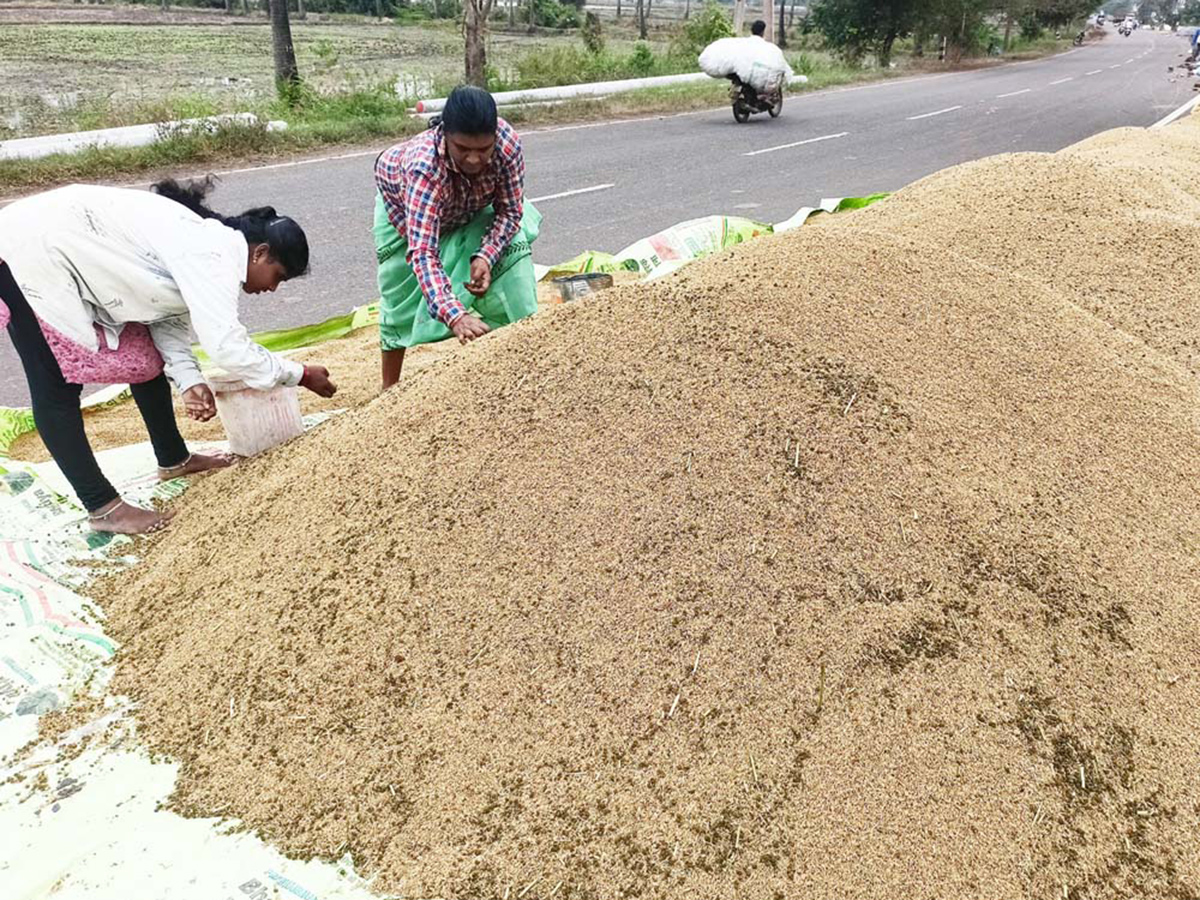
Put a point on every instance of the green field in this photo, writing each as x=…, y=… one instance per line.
x=64, y=76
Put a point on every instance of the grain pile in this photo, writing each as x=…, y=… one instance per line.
x=353, y=363
x=850, y=564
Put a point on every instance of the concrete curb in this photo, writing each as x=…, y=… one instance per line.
x=128, y=136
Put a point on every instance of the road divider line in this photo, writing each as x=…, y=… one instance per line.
x=934, y=113
x=1128, y=61
x=1013, y=93
x=1063, y=80
x=824, y=137
x=574, y=193
x=1117, y=66
x=1094, y=72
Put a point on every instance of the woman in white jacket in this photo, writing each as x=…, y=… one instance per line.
x=102, y=285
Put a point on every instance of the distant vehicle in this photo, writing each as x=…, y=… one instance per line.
x=1100, y=19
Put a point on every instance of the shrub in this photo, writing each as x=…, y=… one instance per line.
x=709, y=24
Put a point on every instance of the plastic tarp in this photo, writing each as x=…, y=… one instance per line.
x=88, y=820
x=674, y=247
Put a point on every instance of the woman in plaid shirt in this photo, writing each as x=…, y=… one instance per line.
x=452, y=231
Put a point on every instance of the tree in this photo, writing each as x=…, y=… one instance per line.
x=1164, y=10
x=858, y=27
x=287, y=76
x=1060, y=13
x=782, y=23
x=643, y=17
x=475, y=24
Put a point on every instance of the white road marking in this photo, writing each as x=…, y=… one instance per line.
x=935, y=113
x=1062, y=80
x=577, y=191
x=1094, y=72
x=1183, y=110
x=1128, y=61
x=824, y=137
x=1013, y=93
x=1117, y=66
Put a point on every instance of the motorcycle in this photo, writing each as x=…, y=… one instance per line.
x=747, y=101
x=1078, y=39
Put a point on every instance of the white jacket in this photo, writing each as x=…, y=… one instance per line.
x=85, y=255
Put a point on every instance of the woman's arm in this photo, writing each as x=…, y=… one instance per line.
x=509, y=202
x=211, y=298
x=422, y=208
x=173, y=338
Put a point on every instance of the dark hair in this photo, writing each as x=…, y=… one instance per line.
x=261, y=225
x=468, y=110
x=759, y=27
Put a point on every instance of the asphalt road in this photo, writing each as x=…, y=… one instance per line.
x=601, y=187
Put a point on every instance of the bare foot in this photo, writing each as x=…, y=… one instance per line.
x=120, y=517
x=196, y=462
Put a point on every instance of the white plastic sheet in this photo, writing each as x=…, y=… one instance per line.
x=756, y=62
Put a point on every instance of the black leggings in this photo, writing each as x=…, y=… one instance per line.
x=56, y=409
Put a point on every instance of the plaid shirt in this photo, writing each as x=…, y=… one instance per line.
x=426, y=196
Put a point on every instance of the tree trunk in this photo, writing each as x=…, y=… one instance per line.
x=792, y=14
x=532, y=17
x=164, y=5
x=739, y=16
x=1008, y=28
x=618, y=9
x=687, y=11
x=475, y=16
x=229, y=7
x=885, y=50
x=379, y=10
x=769, y=19
x=512, y=13
x=300, y=9
x=287, y=76
x=642, y=12
x=782, y=25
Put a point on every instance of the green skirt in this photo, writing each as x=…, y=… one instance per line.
x=404, y=318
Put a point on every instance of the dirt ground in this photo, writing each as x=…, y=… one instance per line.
x=885, y=588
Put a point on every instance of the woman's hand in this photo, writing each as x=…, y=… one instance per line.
x=481, y=276
x=467, y=327
x=316, y=379
x=199, y=402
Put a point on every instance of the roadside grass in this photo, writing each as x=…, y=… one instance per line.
x=61, y=77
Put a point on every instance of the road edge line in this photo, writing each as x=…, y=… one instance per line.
x=1171, y=117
